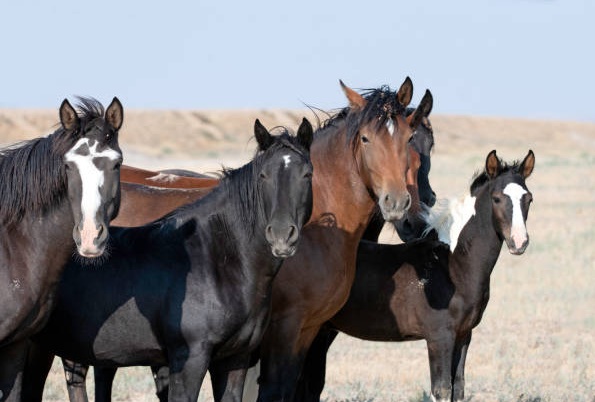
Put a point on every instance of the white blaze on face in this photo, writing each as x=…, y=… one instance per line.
x=287, y=160
x=82, y=155
x=390, y=126
x=518, y=230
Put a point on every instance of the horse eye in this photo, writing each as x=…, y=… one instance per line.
x=117, y=166
x=365, y=139
x=496, y=199
x=262, y=175
x=308, y=175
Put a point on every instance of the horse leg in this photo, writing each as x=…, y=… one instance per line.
x=227, y=378
x=282, y=357
x=76, y=375
x=38, y=365
x=161, y=378
x=104, y=380
x=187, y=369
x=312, y=380
x=458, y=368
x=440, y=353
x=12, y=365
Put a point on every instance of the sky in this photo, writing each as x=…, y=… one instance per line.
x=506, y=58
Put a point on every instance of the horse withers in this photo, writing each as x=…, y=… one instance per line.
x=192, y=290
x=57, y=195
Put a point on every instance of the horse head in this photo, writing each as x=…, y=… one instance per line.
x=285, y=180
x=93, y=171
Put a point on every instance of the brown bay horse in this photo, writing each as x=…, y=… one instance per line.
x=166, y=179
x=348, y=182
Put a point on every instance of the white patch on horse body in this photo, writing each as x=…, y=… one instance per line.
x=287, y=160
x=449, y=217
x=164, y=178
x=91, y=179
x=390, y=126
x=518, y=230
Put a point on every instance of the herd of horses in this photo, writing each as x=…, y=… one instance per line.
x=250, y=275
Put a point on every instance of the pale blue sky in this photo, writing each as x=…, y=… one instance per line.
x=523, y=58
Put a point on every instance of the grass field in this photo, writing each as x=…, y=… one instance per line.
x=537, y=338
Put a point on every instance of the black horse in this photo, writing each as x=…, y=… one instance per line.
x=419, y=290
x=55, y=192
x=410, y=226
x=191, y=290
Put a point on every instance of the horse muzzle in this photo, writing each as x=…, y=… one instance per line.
x=517, y=247
x=282, y=239
x=90, y=239
x=394, y=208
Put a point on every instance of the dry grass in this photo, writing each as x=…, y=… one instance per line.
x=537, y=338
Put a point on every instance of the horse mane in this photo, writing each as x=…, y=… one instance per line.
x=481, y=177
x=244, y=202
x=381, y=104
x=32, y=176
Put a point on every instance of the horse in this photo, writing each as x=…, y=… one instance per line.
x=142, y=204
x=349, y=182
x=192, y=289
x=166, y=178
x=58, y=193
x=410, y=227
x=418, y=182
x=420, y=290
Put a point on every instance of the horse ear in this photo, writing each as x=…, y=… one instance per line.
x=527, y=165
x=68, y=116
x=423, y=110
x=492, y=165
x=356, y=101
x=263, y=137
x=305, y=134
x=115, y=113
x=405, y=92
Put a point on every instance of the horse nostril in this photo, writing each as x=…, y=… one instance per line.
x=292, y=234
x=268, y=233
x=407, y=201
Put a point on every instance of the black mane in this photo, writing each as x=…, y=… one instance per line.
x=481, y=177
x=382, y=104
x=32, y=176
x=241, y=188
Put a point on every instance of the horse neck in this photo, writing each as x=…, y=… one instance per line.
x=477, y=251
x=33, y=254
x=340, y=195
x=47, y=237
